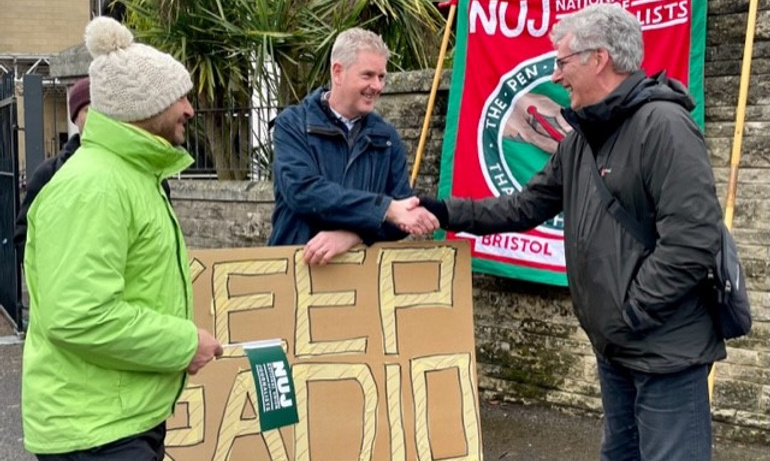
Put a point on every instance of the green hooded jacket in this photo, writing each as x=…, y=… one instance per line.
x=110, y=332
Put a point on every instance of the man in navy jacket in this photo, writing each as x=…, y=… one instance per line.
x=340, y=173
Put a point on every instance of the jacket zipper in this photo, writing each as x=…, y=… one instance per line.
x=177, y=231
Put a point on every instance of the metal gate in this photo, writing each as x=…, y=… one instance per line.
x=10, y=275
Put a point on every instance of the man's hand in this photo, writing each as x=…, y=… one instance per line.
x=208, y=348
x=328, y=244
x=410, y=217
x=436, y=207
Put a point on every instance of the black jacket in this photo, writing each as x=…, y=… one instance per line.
x=40, y=178
x=644, y=310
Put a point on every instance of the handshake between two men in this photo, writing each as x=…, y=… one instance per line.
x=413, y=215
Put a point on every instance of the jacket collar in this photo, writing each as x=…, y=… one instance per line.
x=603, y=116
x=599, y=121
x=321, y=114
x=141, y=149
x=73, y=143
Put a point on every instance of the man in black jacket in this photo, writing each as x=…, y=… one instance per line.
x=644, y=310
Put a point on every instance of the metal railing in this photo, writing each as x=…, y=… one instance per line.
x=230, y=143
x=226, y=143
x=10, y=275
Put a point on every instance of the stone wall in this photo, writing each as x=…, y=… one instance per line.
x=742, y=393
x=529, y=346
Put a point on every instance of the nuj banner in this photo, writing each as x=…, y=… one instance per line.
x=504, y=121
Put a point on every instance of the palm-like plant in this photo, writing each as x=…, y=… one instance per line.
x=275, y=50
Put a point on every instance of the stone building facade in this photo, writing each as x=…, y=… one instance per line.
x=41, y=28
x=528, y=343
x=32, y=33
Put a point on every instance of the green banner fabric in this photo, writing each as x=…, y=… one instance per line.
x=504, y=121
x=275, y=386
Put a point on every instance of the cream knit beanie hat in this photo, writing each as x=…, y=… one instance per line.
x=130, y=81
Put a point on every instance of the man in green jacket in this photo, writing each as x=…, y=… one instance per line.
x=111, y=334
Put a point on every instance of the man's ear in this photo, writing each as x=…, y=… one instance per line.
x=337, y=73
x=603, y=60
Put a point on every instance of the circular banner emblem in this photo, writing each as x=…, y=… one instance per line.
x=520, y=128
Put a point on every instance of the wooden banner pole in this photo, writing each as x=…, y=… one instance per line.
x=740, y=118
x=433, y=91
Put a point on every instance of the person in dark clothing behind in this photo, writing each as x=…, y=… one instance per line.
x=79, y=101
x=644, y=311
x=340, y=175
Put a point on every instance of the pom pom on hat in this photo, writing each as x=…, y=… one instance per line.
x=105, y=35
x=131, y=81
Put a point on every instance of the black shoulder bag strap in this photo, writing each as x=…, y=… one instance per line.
x=615, y=208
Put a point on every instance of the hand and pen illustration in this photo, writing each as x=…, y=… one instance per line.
x=536, y=119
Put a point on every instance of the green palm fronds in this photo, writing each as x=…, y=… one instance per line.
x=277, y=49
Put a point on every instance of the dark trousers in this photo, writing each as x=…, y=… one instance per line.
x=655, y=417
x=147, y=446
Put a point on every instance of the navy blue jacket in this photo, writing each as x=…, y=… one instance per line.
x=325, y=178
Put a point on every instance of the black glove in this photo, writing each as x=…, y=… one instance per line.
x=437, y=208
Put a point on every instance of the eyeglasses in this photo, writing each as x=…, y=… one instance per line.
x=561, y=62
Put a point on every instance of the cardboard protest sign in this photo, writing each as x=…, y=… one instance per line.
x=380, y=345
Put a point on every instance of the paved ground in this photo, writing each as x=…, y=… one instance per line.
x=510, y=432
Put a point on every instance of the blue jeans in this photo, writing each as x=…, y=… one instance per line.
x=655, y=417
